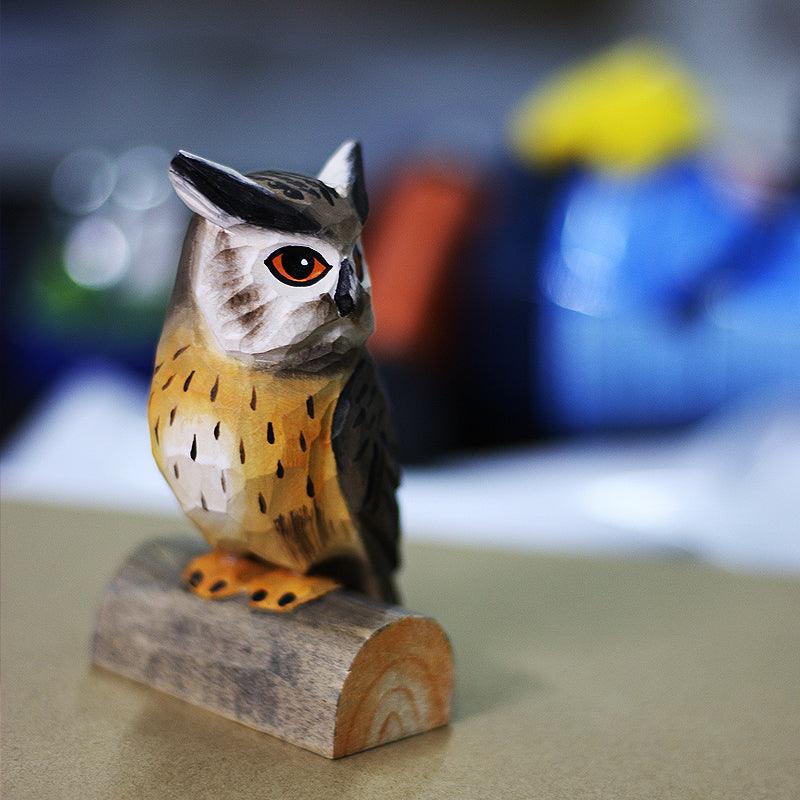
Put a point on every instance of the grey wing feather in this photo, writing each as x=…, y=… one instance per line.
x=369, y=474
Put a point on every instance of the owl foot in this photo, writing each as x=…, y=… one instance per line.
x=281, y=590
x=220, y=574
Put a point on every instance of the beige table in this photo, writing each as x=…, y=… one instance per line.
x=576, y=678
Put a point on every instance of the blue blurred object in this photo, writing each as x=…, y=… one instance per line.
x=610, y=302
x=662, y=297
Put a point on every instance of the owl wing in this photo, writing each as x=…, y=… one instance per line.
x=368, y=471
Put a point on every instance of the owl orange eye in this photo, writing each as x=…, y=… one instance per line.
x=297, y=266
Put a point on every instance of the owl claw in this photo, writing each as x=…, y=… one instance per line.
x=219, y=575
x=280, y=590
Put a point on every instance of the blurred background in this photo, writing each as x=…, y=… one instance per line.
x=584, y=240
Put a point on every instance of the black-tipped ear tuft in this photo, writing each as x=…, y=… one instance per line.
x=227, y=197
x=344, y=172
x=358, y=188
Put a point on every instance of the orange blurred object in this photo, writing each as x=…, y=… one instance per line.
x=412, y=246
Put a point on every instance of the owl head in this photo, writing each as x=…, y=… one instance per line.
x=272, y=261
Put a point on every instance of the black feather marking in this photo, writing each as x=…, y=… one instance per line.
x=310, y=406
x=253, y=399
x=214, y=389
x=241, y=451
x=203, y=502
x=297, y=532
x=172, y=415
x=175, y=470
x=216, y=430
x=358, y=187
x=324, y=528
x=155, y=429
x=270, y=433
x=262, y=503
x=341, y=415
x=279, y=470
x=241, y=198
x=290, y=191
x=302, y=442
x=168, y=382
x=222, y=481
x=309, y=487
x=180, y=350
x=157, y=368
x=327, y=194
x=193, y=451
x=188, y=381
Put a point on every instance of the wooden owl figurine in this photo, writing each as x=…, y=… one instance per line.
x=266, y=416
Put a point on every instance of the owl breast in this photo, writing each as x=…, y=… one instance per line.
x=248, y=454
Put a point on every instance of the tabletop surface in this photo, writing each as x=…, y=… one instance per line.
x=576, y=678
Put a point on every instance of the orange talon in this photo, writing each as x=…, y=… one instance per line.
x=220, y=574
x=282, y=590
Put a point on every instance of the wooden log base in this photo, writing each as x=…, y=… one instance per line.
x=339, y=675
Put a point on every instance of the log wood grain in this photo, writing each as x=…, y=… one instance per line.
x=337, y=676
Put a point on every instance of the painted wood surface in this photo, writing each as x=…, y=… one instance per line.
x=266, y=415
x=337, y=676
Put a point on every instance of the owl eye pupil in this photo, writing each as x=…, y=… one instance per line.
x=298, y=262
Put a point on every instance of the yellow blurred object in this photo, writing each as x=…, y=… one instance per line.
x=625, y=111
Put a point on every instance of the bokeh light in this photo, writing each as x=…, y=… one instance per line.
x=142, y=178
x=83, y=181
x=97, y=253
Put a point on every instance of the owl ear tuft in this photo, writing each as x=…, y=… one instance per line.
x=226, y=197
x=344, y=172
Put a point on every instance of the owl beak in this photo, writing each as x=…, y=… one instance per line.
x=348, y=289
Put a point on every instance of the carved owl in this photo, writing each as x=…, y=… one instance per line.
x=266, y=416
